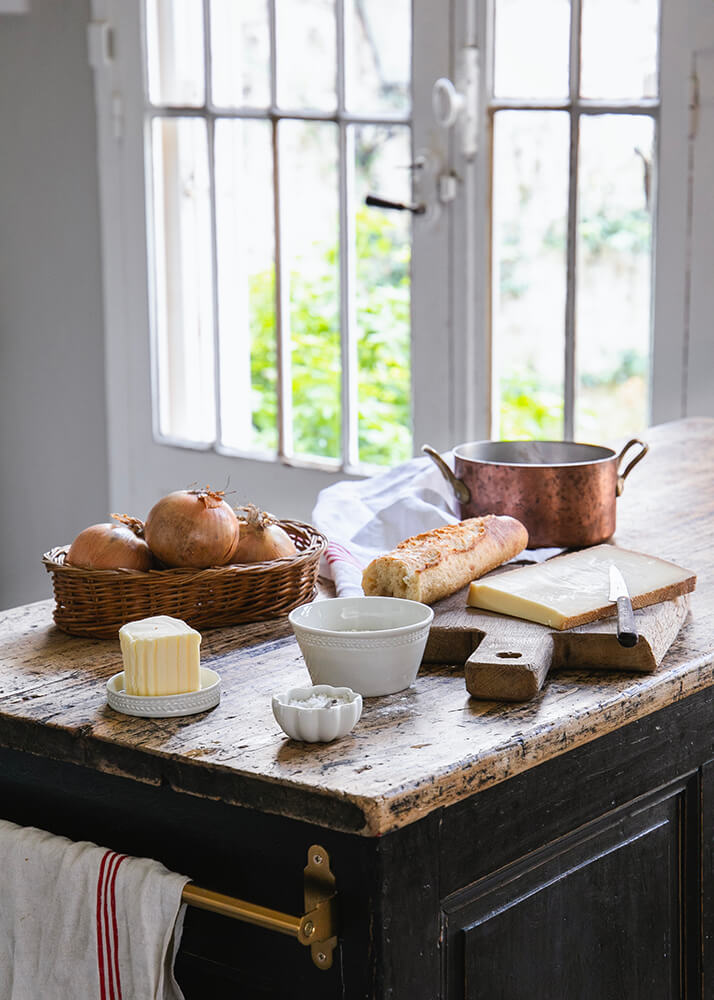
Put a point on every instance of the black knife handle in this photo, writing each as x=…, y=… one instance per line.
x=626, y=631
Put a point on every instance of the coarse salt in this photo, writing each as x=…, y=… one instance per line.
x=319, y=701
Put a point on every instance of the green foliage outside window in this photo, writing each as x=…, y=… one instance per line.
x=383, y=350
x=529, y=409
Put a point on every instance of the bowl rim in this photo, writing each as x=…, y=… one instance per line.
x=372, y=633
x=283, y=697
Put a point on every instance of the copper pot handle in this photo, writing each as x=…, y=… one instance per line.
x=644, y=448
x=461, y=490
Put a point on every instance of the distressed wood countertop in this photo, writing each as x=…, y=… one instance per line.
x=412, y=752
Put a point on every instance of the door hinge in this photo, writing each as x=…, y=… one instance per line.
x=100, y=44
x=693, y=104
x=468, y=81
x=117, y=116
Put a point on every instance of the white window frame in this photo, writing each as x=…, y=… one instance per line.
x=451, y=367
x=140, y=467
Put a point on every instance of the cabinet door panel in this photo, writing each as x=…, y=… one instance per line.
x=596, y=915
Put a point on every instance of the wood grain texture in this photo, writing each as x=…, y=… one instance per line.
x=511, y=657
x=412, y=752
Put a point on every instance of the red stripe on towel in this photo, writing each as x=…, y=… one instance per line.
x=105, y=930
x=100, y=928
x=338, y=553
x=108, y=935
x=114, y=927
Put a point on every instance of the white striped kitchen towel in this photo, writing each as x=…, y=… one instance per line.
x=365, y=518
x=77, y=920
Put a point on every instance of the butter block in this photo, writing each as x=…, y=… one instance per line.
x=573, y=589
x=161, y=656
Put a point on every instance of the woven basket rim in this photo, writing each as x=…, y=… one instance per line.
x=53, y=560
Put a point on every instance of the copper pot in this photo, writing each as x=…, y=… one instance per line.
x=562, y=491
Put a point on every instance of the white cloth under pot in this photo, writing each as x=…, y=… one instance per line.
x=365, y=518
x=79, y=921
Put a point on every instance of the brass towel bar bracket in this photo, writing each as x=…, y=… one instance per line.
x=317, y=927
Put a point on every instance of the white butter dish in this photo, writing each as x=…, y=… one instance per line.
x=313, y=722
x=165, y=706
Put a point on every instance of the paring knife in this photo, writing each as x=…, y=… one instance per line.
x=626, y=631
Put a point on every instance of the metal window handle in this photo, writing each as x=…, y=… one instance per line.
x=375, y=202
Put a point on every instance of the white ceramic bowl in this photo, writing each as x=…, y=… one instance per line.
x=314, y=724
x=373, y=645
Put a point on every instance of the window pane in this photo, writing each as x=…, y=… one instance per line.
x=310, y=273
x=246, y=284
x=306, y=54
x=174, y=42
x=619, y=48
x=614, y=276
x=183, y=279
x=383, y=244
x=377, y=48
x=531, y=53
x=240, y=53
x=530, y=190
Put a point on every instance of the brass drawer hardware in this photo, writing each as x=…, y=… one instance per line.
x=317, y=927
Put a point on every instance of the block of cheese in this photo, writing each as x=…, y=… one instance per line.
x=573, y=589
x=161, y=656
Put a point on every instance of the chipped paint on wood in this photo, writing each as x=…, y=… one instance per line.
x=411, y=753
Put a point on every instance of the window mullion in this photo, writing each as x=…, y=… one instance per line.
x=572, y=236
x=282, y=280
x=348, y=311
x=348, y=345
x=211, y=139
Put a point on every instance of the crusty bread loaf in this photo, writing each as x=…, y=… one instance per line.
x=437, y=563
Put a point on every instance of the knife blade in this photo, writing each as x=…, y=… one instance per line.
x=626, y=629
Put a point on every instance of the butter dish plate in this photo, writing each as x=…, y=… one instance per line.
x=168, y=705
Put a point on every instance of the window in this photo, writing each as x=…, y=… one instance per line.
x=290, y=322
x=281, y=302
x=573, y=106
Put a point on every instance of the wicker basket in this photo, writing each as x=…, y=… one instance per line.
x=97, y=602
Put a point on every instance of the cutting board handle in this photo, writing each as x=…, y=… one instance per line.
x=509, y=671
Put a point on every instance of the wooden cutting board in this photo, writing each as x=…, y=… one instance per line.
x=508, y=659
x=572, y=589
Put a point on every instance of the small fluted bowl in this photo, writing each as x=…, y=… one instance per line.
x=373, y=645
x=314, y=724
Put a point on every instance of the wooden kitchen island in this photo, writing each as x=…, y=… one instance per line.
x=555, y=850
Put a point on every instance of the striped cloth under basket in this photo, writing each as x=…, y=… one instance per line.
x=98, y=602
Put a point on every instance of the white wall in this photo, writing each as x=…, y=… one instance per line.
x=53, y=462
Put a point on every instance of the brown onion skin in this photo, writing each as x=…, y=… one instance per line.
x=192, y=528
x=109, y=546
x=262, y=537
x=263, y=544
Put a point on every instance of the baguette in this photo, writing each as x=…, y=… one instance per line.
x=437, y=563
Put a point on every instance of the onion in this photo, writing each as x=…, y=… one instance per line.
x=261, y=537
x=193, y=528
x=111, y=546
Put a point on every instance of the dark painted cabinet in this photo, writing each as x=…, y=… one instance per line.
x=601, y=912
x=588, y=877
